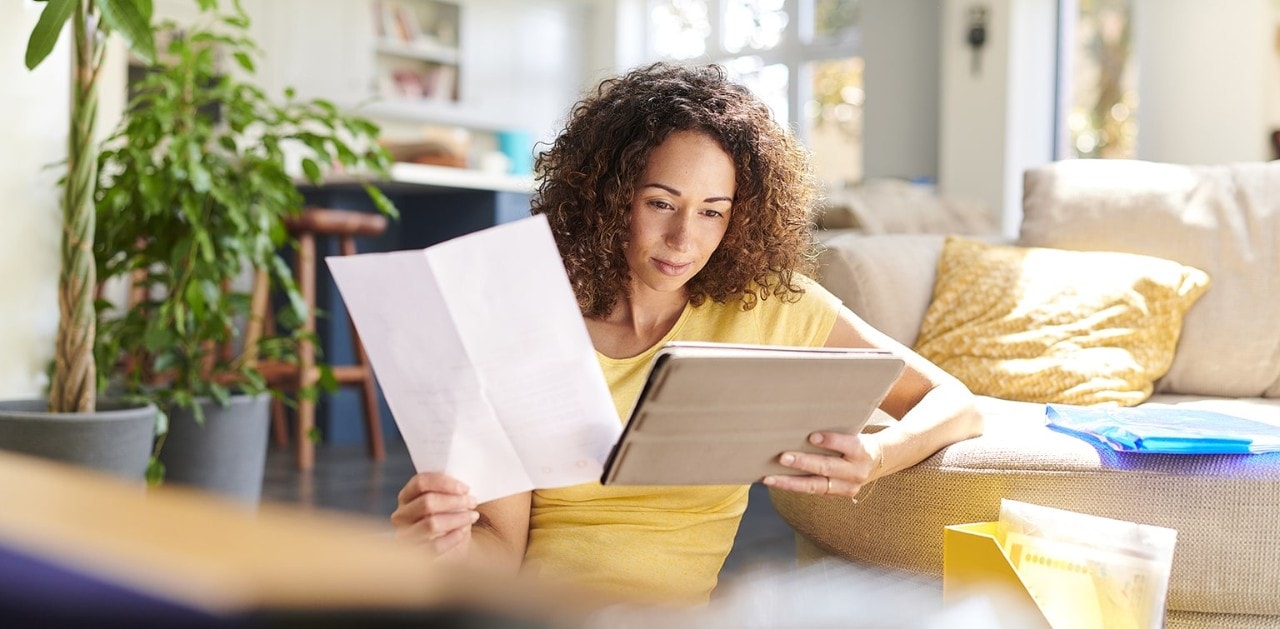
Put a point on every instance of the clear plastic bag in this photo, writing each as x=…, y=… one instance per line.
x=1089, y=571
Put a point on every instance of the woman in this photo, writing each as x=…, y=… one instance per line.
x=682, y=212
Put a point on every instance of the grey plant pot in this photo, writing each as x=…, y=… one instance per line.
x=227, y=455
x=116, y=439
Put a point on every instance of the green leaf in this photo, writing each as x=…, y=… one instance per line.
x=200, y=179
x=164, y=362
x=155, y=472
x=326, y=380
x=45, y=35
x=364, y=127
x=132, y=20
x=156, y=337
x=327, y=106
x=206, y=246
x=180, y=318
x=197, y=410
x=195, y=299
x=236, y=21
x=381, y=201
x=211, y=291
x=162, y=422
x=285, y=275
x=245, y=61
x=311, y=169
x=220, y=394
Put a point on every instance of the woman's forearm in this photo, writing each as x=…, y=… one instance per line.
x=945, y=415
x=500, y=536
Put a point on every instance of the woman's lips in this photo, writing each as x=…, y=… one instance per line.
x=671, y=268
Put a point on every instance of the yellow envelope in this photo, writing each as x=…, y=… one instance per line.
x=1069, y=593
x=973, y=563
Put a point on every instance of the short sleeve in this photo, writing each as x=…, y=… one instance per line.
x=805, y=322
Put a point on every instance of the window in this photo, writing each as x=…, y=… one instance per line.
x=801, y=57
x=1101, y=70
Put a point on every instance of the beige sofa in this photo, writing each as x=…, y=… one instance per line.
x=1224, y=220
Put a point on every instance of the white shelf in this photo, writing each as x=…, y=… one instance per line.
x=434, y=111
x=429, y=52
x=441, y=177
x=471, y=179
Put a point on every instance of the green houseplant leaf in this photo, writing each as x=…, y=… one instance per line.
x=45, y=34
x=131, y=19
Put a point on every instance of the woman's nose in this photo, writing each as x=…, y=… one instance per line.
x=678, y=232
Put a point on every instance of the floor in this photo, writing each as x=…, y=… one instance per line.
x=345, y=479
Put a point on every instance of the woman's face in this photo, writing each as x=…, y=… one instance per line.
x=680, y=211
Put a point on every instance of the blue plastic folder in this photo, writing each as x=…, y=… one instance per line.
x=1164, y=429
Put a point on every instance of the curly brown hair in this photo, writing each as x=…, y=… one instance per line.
x=588, y=175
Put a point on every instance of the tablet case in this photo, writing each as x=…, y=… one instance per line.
x=720, y=414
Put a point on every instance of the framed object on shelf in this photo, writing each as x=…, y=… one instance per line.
x=416, y=54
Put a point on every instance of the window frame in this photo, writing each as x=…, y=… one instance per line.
x=796, y=50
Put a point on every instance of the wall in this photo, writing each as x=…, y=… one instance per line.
x=521, y=65
x=524, y=60
x=615, y=39
x=1272, y=79
x=1203, y=80
x=33, y=123
x=996, y=120
x=901, y=47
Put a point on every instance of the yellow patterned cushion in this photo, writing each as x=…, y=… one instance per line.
x=1050, y=325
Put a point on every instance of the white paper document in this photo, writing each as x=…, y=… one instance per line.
x=483, y=357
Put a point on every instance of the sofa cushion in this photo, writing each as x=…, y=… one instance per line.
x=1224, y=220
x=886, y=279
x=1048, y=325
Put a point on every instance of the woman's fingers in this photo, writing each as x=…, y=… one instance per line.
x=435, y=509
x=816, y=464
x=430, y=482
x=426, y=505
x=455, y=539
x=437, y=526
x=816, y=485
x=844, y=443
x=842, y=473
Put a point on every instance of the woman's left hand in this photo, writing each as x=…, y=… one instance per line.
x=853, y=462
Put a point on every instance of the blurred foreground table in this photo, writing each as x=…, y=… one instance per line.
x=81, y=549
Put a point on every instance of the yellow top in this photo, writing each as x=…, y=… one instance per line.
x=664, y=544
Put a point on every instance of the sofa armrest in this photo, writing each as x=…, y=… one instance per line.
x=887, y=279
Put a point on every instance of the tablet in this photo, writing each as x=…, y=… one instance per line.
x=720, y=414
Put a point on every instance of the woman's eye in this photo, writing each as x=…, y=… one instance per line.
x=661, y=205
x=713, y=213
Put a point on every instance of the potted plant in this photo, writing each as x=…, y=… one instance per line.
x=193, y=197
x=71, y=425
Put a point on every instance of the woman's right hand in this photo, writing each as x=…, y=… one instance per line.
x=437, y=511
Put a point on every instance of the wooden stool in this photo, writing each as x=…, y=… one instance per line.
x=309, y=225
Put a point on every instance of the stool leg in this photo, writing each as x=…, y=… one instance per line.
x=279, y=424
x=368, y=391
x=369, y=397
x=306, y=270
